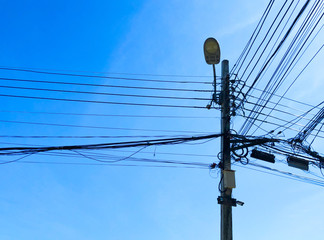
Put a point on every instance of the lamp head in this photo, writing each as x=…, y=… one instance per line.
x=211, y=51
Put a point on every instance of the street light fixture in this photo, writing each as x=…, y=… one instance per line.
x=212, y=57
x=211, y=51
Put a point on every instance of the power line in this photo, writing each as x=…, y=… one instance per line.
x=265, y=37
x=112, y=165
x=103, y=93
x=98, y=127
x=102, y=102
x=281, y=71
x=104, y=85
x=71, y=154
x=280, y=105
x=280, y=96
x=285, y=174
x=279, y=126
x=251, y=41
x=116, y=145
x=97, y=76
x=108, y=115
x=285, y=73
x=146, y=160
x=62, y=136
x=276, y=109
x=277, y=49
x=110, y=73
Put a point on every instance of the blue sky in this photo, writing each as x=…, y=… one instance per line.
x=150, y=39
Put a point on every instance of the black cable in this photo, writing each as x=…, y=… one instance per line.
x=105, y=155
x=103, y=93
x=146, y=160
x=16, y=160
x=280, y=105
x=276, y=109
x=286, y=175
x=277, y=49
x=104, y=85
x=280, y=96
x=284, y=75
x=112, y=165
x=250, y=40
x=111, y=73
x=318, y=131
x=97, y=76
x=116, y=145
x=102, y=102
x=282, y=78
x=109, y=115
x=278, y=125
x=288, y=152
x=265, y=37
x=44, y=136
x=280, y=119
x=295, y=120
x=263, y=18
x=295, y=79
x=97, y=127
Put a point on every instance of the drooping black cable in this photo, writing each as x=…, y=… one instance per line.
x=116, y=145
x=113, y=165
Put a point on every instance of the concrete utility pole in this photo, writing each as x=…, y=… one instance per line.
x=212, y=57
x=226, y=183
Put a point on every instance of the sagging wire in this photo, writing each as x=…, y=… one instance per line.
x=114, y=161
x=16, y=160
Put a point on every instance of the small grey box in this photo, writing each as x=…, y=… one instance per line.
x=229, y=178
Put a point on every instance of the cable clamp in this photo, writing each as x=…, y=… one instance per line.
x=229, y=201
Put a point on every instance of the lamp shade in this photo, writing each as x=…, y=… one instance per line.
x=211, y=51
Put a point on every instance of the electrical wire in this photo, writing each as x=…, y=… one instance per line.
x=105, y=155
x=101, y=102
x=254, y=36
x=278, y=47
x=142, y=143
x=284, y=174
x=112, y=165
x=302, y=69
x=109, y=73
x=99, y=127
x=102, y=93
x=248, y=126
x=108, y=115
x=103, y=85
x=57, y=136
x=98, y=76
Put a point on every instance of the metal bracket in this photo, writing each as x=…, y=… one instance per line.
x=216, y=98
x=229, y=201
